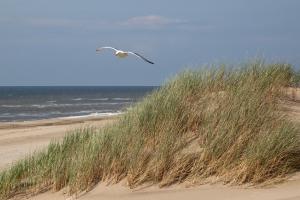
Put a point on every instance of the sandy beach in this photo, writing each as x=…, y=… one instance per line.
x=19, y=139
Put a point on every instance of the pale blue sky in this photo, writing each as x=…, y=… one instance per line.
x=53, y=42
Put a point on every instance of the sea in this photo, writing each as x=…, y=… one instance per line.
x=25, y=103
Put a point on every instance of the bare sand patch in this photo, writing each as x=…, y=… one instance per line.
x=18, y=139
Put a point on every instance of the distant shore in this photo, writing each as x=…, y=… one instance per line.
x=56, y=121
x=18, y=139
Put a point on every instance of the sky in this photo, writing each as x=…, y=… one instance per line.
x=53, y=42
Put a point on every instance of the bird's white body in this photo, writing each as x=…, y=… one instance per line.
x=123, y=54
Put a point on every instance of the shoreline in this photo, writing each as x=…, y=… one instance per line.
x=57, y=121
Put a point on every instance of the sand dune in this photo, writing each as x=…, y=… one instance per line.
x=18, y=139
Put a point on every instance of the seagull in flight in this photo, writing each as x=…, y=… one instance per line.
x=123, y=54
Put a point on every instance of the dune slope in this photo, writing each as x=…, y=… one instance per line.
x=205, y=126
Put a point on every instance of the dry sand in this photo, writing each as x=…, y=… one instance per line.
x=287, y=191
x=18, y=139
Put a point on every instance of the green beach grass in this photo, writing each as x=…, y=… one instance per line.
x=224, y=123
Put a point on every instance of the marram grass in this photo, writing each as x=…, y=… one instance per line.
x=219, y=123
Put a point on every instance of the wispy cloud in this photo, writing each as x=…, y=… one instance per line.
x=154, y=22
x=151, y=21
x=148, y=21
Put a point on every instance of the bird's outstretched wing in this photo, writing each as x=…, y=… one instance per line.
x=140, y=56
x=101, y=48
